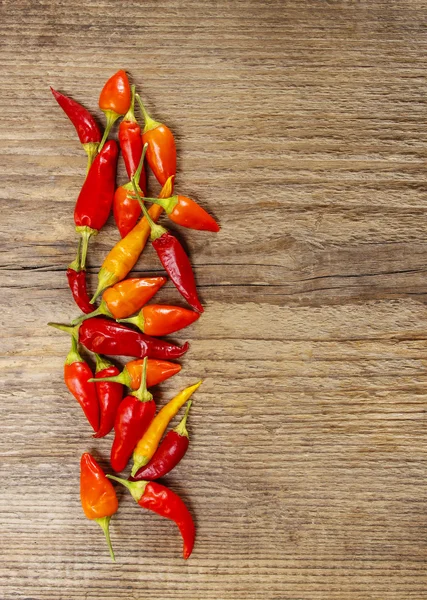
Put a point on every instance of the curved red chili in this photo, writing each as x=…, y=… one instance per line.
x=109, y=394
x=168, y=454
x=133, y=416
x=113, y=339
x=77, y=283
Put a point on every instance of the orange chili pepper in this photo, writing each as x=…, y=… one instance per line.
x=161, y=319
x=125, y=298
x=161, y=152
x=114, y=101
x=157, y=371
x=97, y=495
x=123, y=257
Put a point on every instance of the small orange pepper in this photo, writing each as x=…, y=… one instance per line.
x=114, y=101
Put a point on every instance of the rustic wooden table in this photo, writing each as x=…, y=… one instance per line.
x=301, y=125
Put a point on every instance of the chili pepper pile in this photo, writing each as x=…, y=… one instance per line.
x=104, y=329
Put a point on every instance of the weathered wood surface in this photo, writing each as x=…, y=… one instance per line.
x=302, y=126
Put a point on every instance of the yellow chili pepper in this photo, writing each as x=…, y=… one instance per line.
x=123, y=257
x=149, y=442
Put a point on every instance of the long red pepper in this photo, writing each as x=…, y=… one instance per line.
x=76, y=375
x=96, y=196
x=77, y=283
x=168, y=454
x=113, y=339
x=173, y=258
x=110, y=394
x=133, y=416
x=163, y=501
x=87, y=129
x=157, y=371
x=131, y=145
x=161, y=153
x=161, y=319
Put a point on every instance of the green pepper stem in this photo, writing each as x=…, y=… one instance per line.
x=101, y=310
x=101, y=363
x=156, y=230
x=68, y=328
x=136, y=488
x=86, y=233
x=91, y=149
x=181, y=428
x=138, y=320
x=75, y=265
x=111, y=119
x=105, y=279
x=149, y=122
x=123, y=378
x=142, y=393
x=168, y=204
x=137, y=174
x=104, y=522
x=130, y=115
x=73, y=356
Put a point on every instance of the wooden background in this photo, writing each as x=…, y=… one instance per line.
x=302, y=126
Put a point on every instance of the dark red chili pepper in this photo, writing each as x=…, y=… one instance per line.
x=96, y=196
x=133, y=416
x=86, y=126
x=164, y=502
x=76, y=375
x=77, y=283
x=173, y=258
x=131, y=145
x=168, y=454
x=108, y=337
x=109, y=395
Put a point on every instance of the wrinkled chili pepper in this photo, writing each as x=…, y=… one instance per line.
x=113, y=339
x=109, y=394
x=147, y=445
x=133, y=416
x=114, y=101
x=173, y=258
x=131, y=145
x=157, y=371
x=76, y=375
x=123, y=257
x=163, y=501
x=168, y=454
x=77, y=283
x=97, y=495
x=186, y=212
x=93, y=205
x=86, y=126
x=161, y=152
x=161, y=319
x=126, y=297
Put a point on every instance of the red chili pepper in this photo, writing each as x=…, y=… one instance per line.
x=157, y=371
x=76, y=375
x=133, y=416
x=113, y=339
x=168, y=454
x=161, y=319
x=186, y=212
x=173, y=258
x=97, y=495
x=164, y=502
x=126, y=207
x=96, y=196
x=131, y=145
x=114, y=101
x=109, y=394
x=86, y=126
x=161, y=152
x=77, y=283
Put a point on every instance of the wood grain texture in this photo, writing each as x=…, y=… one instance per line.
x=301, y=125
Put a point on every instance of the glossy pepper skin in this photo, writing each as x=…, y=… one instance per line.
x=85, y=125
x=163, y=501
x=131, y=145
x=157, y=371
x=77, y=283
x=97, y=495
x=147, y=445
x=161, y=152
x=168, y=454
x=110, y=394
x=123, y=257
x=96, y=196
x=114, y=100
x=76, y=375
x=103, y=336
x=162, y=319
x=126, y=297
x=187, y=213
x=173, y=258
x=133, y=417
